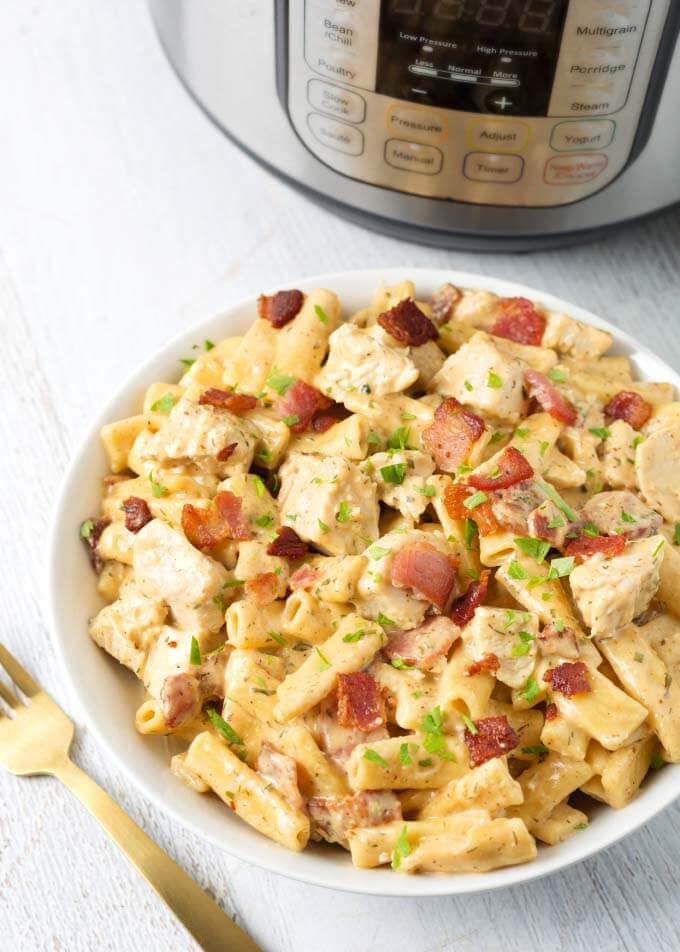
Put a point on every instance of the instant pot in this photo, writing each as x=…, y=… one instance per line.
x=487, y=124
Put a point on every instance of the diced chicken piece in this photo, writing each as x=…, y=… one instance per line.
x=512, y=507
x=253, y=561
x=549, y=523
x=510, y=636
x=333, y=817
x=621, y=513
x=167, y=566
x=128, y=628
x=559, y=640
x=359, y=360
x=618, y=458
x=569, y=336
x=429, y=360
x=480, y=375
x=197, y=434
x=280, y=770
x=657, y=466
x=420, y=647
x=401, y=478
x=477, y=308
x=334, y=503
x=610, y=593
x=336, y=741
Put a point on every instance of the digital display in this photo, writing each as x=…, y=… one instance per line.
x=489, y=56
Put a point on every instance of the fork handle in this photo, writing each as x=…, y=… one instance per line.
x=203, y=918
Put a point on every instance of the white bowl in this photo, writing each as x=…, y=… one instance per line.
x=109, y=693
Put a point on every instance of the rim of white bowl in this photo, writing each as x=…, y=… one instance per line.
x=292, y=865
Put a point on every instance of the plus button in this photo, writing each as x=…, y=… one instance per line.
x=503, y=103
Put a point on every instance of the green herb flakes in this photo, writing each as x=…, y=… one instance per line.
x=321, y=314
x=536, y=548
x=374, y=757
x=195, y=652
x=164, y=404
x=279, y=382
x=476, y=499
x=394, y=473
x=402, y=848
x=223, y=727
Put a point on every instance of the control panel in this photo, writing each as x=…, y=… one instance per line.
x=531, y=103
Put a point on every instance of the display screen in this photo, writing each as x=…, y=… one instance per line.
x=493, y=56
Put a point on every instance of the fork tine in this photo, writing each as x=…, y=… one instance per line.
x=7, y=696
x=19, y=675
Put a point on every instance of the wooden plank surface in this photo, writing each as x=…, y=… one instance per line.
x=124, y=215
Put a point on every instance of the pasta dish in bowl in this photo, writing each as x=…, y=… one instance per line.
x=398, y=571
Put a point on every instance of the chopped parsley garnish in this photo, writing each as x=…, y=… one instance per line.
x=523, y=647
x=194, y=652
x=636, y=442
x=522, y=432
x=557, y=375
x=406, y=417
x=559, y=568
x=164, y=404
x=656, y=761
x=626, y=517
x=187, y=361
x=404, y=756
x=291, y=419
x=468, y=386
x=591, y=530
x=279, y=382
x=463, y=469
x=602, y=432
x=264, y=521
x=223, y=727
x=435, y=742
x=208, y=344
x=537, y=749
x=219, y=601
x=536, y=548
x=555, y=497
x=639, y=657
x=676, y=534
x=398, y=438
x=277, y=637
x=470, y=724
x=373, y=439
x=374, y=757
x=378, y=552
x=517, y=571
x=476, y=499
x=543, y=447
x=495, y=437
x=259, y=486
x=530, y=691
x=324, y=663
x=157, y=489
x=233, y=583
x=426, y=762
x=321, y=314
x=557, y=522
x=323, y=526
x=87, y=527
x=426, y=490
x=494, y=381
x=344, y=513
x=394, y=473
x=658, y=549
x=469, y=531
x=353, y=636
x=400, y=664
x=402, y=848
x=384, y=620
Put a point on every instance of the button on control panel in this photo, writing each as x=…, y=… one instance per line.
x=575, y=136
x=488, y=167
x=419, y=124
x=336, y=135
x=336, y=101
x=490, y=135
x=574, y=169
x=413, y=157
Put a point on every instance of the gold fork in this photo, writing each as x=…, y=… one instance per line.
x=35, y=739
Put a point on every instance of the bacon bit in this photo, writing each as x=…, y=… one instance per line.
x=455, y=495
x=551, y=712
x=98, y=526
x=288, y=544
x=420, y=647
x=227, y=400
x=513, y=467
x=517, y=319
x=407, y=324
x=262, y=588
x=549, y=397
x=334, y=817
x=226, y=452
x=494, y=738
x=442, y=303
x=137, y=513
x=206, y=527
x=281, y=771
x=181, y=699
x=428, y=572
x=464, y=608
x=360, y=703
x=450, y=437
x=489, y=662
x=305, y=577
x=325, y=419
x=569, y=678
x=585, y=546
x=629, y=406
x=279, y=308
x=301, y=401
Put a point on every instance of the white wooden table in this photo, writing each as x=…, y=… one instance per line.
x=124, y=214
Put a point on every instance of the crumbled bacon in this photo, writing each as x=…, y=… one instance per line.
x=304, y=577
x=288, y=544
x=443, y=301
x=407, y=324
x=181, y=698
x=301, y=402
x=279, y=308
x=517, y=319
x=137, y=513
x=227, y=400
x=549, y=397
x=91, y=540
x=629, y=406
x=455, y=495
x=420, y=647
x=551, y=712
x=334, y=817
x=360, y=702
x=262, y=588
x=451, y=435
x=585, y=546
x=324, y=419
x=513, y=468
x=464, y=608
x=429, y=573
x=489, y=662
x=281, y=771
x=226, y=451
x=494, y=738
x=210, y=525
x=569, y=678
